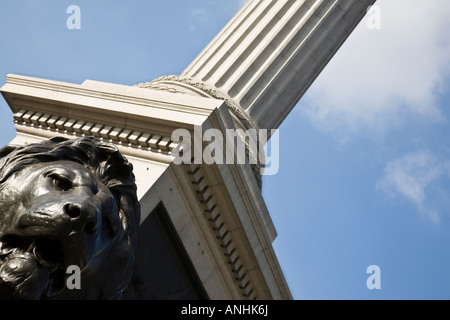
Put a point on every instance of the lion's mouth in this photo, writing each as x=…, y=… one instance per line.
x=47, y=253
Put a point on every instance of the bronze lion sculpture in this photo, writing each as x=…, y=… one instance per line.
x=66, y=203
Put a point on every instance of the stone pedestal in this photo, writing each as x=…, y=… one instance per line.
x=217, y=211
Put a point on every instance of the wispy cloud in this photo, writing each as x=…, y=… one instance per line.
x=198, y=16
x=411, y=177
x=381, y=78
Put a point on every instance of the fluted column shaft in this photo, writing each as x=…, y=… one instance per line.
x=268, y=55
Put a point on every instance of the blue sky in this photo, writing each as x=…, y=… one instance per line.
x=364, y=157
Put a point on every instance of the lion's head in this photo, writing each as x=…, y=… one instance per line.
x=66, y=202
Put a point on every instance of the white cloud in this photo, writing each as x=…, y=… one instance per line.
x=411, y=177
x=199, y=14
x=381, y=78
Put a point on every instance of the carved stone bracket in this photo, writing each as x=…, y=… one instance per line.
x=70, y=126
x=223, y=235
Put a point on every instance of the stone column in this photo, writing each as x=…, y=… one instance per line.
x=268, y=55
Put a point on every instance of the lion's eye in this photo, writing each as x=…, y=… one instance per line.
x=61, y=183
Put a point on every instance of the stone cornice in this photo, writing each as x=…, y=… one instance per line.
x=107, y=91
x=121, y=106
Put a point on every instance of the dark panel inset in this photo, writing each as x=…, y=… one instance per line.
x=163, y=270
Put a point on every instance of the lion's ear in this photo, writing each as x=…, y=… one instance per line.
x=8, y=149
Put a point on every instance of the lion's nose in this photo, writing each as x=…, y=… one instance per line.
x=83, y=216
